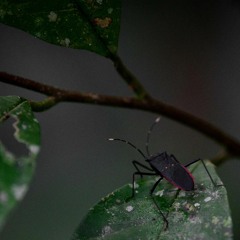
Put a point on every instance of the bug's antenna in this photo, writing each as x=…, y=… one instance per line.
x=149, y=134
x=129, y=143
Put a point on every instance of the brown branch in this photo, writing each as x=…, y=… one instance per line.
x=230, y=144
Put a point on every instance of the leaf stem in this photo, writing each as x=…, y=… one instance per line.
x=56, y=95
x=44, y=105
x=129, y=78
x=221, y=157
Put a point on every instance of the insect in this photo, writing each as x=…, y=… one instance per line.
x=165, y=166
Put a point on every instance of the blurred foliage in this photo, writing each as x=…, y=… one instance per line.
x=16, y=171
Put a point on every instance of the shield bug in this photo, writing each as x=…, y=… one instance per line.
x=165, y=166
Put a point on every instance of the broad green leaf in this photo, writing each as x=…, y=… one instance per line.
x=200, y=214
x=84, y=24
x=16, y=171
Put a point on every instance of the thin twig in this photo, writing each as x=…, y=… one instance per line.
x=231, y=144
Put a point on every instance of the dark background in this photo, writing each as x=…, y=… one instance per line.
x=186, y=53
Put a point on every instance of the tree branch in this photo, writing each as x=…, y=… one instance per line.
x=231, y=145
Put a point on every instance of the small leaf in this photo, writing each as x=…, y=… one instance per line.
x=16, y=172
x=200, y=214
x=84, y=24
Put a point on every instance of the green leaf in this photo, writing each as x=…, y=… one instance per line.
x=84, y=24
x=200, y=214
x=16, y=172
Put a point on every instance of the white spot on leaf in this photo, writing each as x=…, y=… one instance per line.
x=197, y=204
x=129, y=208
x=19, y=191
x=189, y=207
x=207, y=199
x=195, y=220
x=106, y=231
x=182, y=194
x=135, y=185
x=176, y=205
x=215, y=194
x=159, y=193
x=215, y=220
x=34, y=149
x=65, y=42
x=52, y=16
x=227, y=222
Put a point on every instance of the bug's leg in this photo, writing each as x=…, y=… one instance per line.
x=192, y=162
x=155, y=185
x=141, y=174
x=133, y=183
x=151, y=194
x=208, y=173
x=174, y=158
x=136, y=164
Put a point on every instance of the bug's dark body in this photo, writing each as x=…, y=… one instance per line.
x=168, y=167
